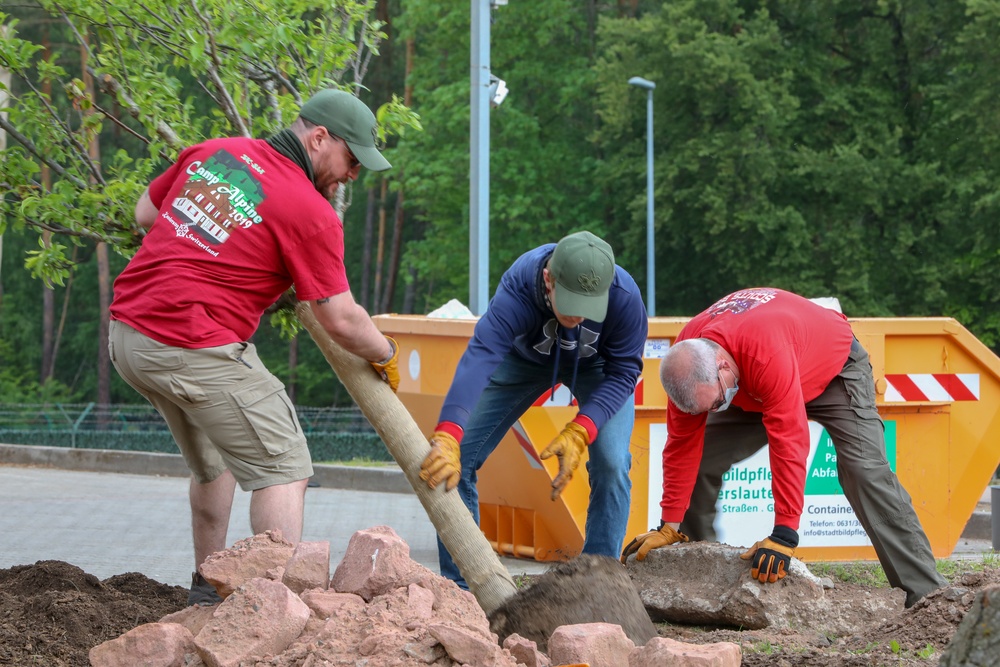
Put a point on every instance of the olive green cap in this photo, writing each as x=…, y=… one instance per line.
x=583, y=268
x=347, y=117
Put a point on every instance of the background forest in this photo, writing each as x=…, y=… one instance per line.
x=844, y=148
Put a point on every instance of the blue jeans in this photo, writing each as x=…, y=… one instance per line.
x=513, y=387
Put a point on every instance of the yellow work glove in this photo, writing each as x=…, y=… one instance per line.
x=444, y=463
x=568, y=446
x=388, y=369
x=654, y=539
x=772, y=556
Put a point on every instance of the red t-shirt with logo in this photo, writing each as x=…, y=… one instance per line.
x=239, y=223
x=787, y=350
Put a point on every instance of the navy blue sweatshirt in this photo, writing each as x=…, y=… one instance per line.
x=520, y=320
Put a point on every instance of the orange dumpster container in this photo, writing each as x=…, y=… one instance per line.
x=938, y=390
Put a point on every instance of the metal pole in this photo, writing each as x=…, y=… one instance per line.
x=649, y=86
x=479, y=168
x=650, y=267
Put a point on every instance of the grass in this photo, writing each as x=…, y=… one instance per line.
x=865, y=573
x=522, y=581
x=869, y=647
x=862, y=573
x=764, y=647
x=359, y=463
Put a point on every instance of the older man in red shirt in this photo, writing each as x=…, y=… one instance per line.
x=752, y=370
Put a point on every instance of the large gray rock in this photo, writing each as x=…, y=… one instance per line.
x=706, y=583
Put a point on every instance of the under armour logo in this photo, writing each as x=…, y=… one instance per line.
x=589, y=283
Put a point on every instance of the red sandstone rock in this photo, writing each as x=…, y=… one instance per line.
x=376, y=561
x=662, y=651
x=325, y=603
x=468, y=648
x=193, y=618
x=420, y=602
x=261, y=617
x=149, y=645
x=309, y=567
x=597, y=644
x=525, y=651
x=246, y=560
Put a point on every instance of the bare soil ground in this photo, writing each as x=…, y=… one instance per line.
x=52, y=613
x=905, y=638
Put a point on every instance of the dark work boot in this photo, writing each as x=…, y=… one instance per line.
x=202, y=593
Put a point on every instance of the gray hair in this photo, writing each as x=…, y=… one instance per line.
x=686, y=366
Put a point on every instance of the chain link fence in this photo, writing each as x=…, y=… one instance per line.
x=333, y=434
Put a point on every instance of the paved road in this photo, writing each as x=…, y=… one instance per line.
x=75, y=510
x=112, y=523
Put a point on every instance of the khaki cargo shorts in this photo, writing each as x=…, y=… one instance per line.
x=224, y=409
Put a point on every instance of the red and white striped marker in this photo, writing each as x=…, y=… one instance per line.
x=939, y=387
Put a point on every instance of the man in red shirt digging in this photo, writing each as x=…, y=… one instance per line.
x=233, y=224
x=752, y=370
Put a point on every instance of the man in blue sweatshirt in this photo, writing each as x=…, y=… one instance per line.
x=562, y=313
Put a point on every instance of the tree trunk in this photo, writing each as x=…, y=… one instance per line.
x=488, y=579
x=48, y=307
x=381, y=245
x=4, y=98
x=410, y=292
x=366, y=299
x=103, y=265
x=104, y=295
x=62, y=316
x=392, y=269
x=293, y=367
x=48, y=292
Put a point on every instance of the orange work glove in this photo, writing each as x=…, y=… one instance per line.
x=444, y=463
x=772, y=556
x=654, y=539
x=388, y=369
x=568, y=446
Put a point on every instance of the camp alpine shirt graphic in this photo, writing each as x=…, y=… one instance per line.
x=221, y=196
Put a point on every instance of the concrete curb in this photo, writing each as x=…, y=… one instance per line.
x=378, y=480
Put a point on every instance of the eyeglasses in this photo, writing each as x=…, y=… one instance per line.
x=350, y=154
x=722, y=394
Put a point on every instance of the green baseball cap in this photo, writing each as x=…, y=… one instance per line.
x=583, y=267
x=347, y=117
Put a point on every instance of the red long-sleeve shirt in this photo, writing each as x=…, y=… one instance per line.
x=787, y=350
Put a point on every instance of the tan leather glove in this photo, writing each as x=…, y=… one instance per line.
x=654, y=539
x=388, y=369
x=444, y=463
x=568, y=446
x=772, y=556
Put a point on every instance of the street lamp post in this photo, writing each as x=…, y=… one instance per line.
x=479, y=159
x=650, y=269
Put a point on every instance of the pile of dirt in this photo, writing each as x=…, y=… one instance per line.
x=52, y=613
